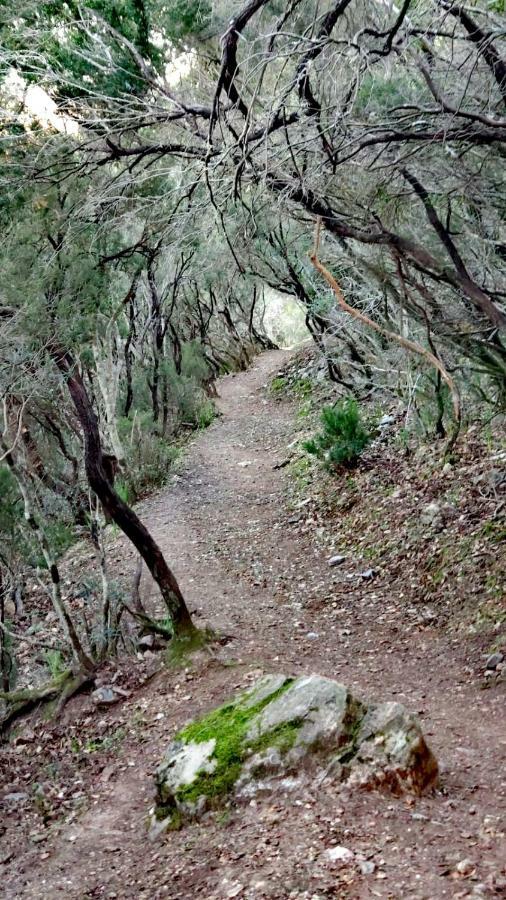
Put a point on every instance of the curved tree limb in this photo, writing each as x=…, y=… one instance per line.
x=407, y=344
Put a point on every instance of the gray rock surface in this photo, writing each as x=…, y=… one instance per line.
x=184, y=763
x=105, y=696
x=432, y=516
x=336, y=560
x=322, y=708
x=391, y=751
x=284, y=731
x=494, y=660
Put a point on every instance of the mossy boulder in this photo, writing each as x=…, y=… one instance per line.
x=282, y=730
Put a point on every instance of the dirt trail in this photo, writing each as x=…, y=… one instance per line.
x=247, y=569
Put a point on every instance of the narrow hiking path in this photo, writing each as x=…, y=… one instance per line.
x=253, y=568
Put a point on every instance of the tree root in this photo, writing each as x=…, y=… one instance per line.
x=149, y=625
x=60, y=688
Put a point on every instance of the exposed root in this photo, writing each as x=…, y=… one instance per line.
x=60, y=688
x=149, y=625
x=73, y=686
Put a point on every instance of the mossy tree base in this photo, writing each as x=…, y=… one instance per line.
x=59, y=690
x=181, y=647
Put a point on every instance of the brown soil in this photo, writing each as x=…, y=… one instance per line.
x=252, y=560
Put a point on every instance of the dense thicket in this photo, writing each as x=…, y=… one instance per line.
x=162, y=163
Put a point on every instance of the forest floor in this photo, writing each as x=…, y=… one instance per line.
x=249, y=535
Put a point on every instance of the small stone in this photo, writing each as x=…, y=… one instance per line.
x=336, y=560
x=14, y=798
x=494, y=660
x=427, y=616
x=104, y=696
x=157, y=828
x=146, y=642
x=465, y=867
x=312, y=636
x=367, y=575
x=431, y=516
x=27, y=736
x=366, y=867
x=339, y=854
x=385, y=421
x=107, y=773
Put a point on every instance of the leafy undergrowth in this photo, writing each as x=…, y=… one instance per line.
x=436, y=534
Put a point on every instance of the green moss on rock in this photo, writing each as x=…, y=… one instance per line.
x=228, y=726
x=275, y=728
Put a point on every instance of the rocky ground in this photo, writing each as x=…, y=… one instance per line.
x=411, y=613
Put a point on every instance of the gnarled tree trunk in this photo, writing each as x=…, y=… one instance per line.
x=113, y=505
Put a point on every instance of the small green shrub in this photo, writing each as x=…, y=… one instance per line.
x=278, y=384
x=193, y=362
x=55, y=662
x=206, y=414
x=344, y=436
x=150, y=461
x=123, y=491
x=303, y=388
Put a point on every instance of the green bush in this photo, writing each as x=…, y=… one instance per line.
x=343, y=437
x=184, y=19
x=206, y=414
x=193, y=362
x=278, y=385
x=55, y=662
x=150, y=461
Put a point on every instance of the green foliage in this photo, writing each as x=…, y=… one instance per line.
x=123, y=490
x=11, y=509
x=378, y=94
x=150, y=461
x=303, y=388
x=181, y=649
x=81, y=63
x=60, y=536
x=55, y=662
x=278, y=385
x=206, y=414
x=184, y=19
x=193, y=362
x=192, y=407
x=343, y=438
x=109, y=744
x=9, y=670
x=495, y=530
